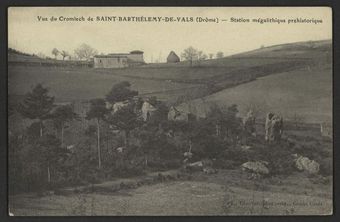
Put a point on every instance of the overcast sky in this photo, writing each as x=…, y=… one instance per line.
x=157, y=39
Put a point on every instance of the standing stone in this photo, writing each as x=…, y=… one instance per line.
x=249, y=124
x=273, y=127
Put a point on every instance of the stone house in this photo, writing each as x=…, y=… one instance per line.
x=119, y=60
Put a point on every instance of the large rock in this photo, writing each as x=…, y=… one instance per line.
x=209, y=170
x=195, y=166
x=249, y=123
x=273, y=127
x=258, y=167
x=305, y=164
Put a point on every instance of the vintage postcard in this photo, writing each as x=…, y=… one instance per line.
x=119, y=111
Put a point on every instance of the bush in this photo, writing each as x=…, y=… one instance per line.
x=236, y=155
x=279, y=158
x=208, y=147
x=225, y=164
x=128, y=170
x=164, y=164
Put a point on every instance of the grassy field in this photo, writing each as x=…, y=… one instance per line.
x=302, y=82
x=228, y=192
x=306, y=92
x=82, y=83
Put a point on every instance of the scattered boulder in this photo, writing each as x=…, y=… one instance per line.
x=209, y=170
x=273, y=127
x=120, y=149
x=196, y=166
x=128, y=185
x=305, y=164
x=187, y=154
x=258, y=167
x=245, y=147
x=70, y=147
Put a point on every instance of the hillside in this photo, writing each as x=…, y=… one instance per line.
x=68, y=84
x=16, y=57
x=170, y=81
x=306, y=93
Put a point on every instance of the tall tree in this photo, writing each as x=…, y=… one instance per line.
x=190, y=54
x=64, y=54
x=37, y=104
x=124, y=119
x=201, y=56
x=232, y=122
x=219, y=55
x=120, y=92
x=97, y=111
x=41, y=55
x=48, y=147
x=55, y=52
x=216, y=117
x=84, y=51
x=224, y=119
x=62, y=115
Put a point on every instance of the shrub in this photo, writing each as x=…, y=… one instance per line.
x=164, y=164
x=279, y=158
x=208, y=147
x=236, y=155
x=225, y=164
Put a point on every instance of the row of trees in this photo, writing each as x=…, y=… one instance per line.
x=83, y=52
x=43, y=154
x=41, y=157
x=38, y=105
x=191, y=54
x=124, y=119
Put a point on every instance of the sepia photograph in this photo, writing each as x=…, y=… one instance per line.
x=170, y=111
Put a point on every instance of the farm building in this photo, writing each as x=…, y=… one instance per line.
x=173, y=58
x=119, y=60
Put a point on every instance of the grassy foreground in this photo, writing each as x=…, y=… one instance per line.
x=228, y=192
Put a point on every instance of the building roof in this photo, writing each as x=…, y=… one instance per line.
x=111, y=56
x=136, y=52
x=119, y=54
x=172, y=57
